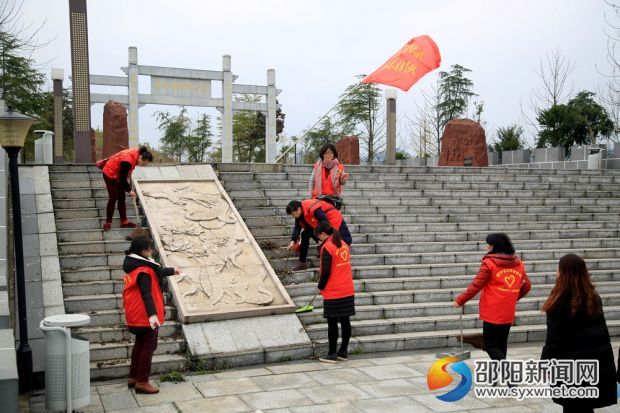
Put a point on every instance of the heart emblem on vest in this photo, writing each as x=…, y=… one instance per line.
x=509, y=279
x=344, y=254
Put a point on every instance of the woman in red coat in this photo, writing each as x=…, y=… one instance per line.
x=143, y=302
x=336, y=287
x=328, y=174
x=503, y=281
x=117, y=171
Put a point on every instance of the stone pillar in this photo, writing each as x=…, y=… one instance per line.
x=390, y=104
x=81, y=80
x=58, y=143
x=227, y=113
x=132, y=72
x=270, y=125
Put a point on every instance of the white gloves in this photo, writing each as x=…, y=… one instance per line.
x=154, y=321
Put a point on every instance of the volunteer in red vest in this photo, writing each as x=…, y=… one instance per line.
x=503, y=281
x=328, y=174
x=117, y=171
x=336, y=287
x=308, y=214
x=143, y=302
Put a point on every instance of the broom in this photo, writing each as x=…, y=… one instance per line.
x=308, y=307
x=139, y=231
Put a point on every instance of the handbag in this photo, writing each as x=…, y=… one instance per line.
x=334, y=200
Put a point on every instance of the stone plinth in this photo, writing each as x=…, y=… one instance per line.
x=519, y=156
x=549, y=154
x=349, y=150
x=196, y=227
x=463, y=143
x=115, y=131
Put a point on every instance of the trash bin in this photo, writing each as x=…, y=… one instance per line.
x=63, y=373
x=595, y=158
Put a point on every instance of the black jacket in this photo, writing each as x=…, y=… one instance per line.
x=581, y=337
x=144, y=282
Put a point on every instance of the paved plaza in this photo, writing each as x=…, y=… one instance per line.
x=386, y=383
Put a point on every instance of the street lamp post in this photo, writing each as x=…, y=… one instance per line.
x=13, y=129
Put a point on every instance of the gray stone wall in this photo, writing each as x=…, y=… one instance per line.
x=42, y=267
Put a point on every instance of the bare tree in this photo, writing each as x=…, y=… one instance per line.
x=609, y=94
x=554, y=71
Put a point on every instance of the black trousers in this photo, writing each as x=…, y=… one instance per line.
x=495, y=338
x=332, y=333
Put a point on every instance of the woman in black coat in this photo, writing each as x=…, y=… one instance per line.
x=576, y=330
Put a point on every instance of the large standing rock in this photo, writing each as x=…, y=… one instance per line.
x=115, y=131
x=463, y=144
x=349, y=150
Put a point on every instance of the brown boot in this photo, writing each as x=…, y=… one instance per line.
x=146, y=388
x=131, y=383
x=300, y=266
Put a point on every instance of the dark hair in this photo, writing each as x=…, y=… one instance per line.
x=293, y=206
x=144, y=153
x=327, y=146
x=501, y=244
x=573, y=282
x=139, y=244
x=326, y=227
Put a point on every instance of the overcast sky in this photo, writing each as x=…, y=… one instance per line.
x=317, y=47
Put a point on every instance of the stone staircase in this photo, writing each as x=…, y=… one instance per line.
x=91, y=264
x=419, y=237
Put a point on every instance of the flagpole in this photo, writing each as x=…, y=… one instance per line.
x=303, y=135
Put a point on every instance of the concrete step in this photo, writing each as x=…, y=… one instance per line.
x=122, y=350
x=281, y=202
x=444, y=270
x=91, y=182
x=438, y=323
x=434, y=309
x=441, y=184
x=94, y=223
x=308, y=289
x=457, y=236
x=93, y=235
x=412, y=193
x=111, y=334
x=93, y=247
x=115, y=317
x=437, y=295
x=77, y=261
x=463, y=246
x=97, y=302
x=86, y=274
x=74, y=168
x=441, y=339
x=458, y=257
x=119, y=368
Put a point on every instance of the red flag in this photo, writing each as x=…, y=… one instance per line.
x=418, y=57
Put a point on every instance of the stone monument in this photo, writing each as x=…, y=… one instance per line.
x=348, y=150
x=197, y=228
x=463, y=144
x=115, y=131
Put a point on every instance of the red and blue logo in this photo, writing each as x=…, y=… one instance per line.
x=438, y=377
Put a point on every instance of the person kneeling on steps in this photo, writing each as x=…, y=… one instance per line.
x=308, y=214
x=336, y=287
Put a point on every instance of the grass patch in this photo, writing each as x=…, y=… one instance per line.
x=203, y=366
x=357, y=351
x=172, y=377
x=285, y=359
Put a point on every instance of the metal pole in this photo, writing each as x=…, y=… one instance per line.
x=24, y=352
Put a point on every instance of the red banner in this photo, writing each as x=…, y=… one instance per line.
x=418, y=57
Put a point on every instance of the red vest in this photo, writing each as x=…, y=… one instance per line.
x=498, y=299
x=112, y=167
x=327, y=186
x=309, y=206
x=340, y=282
x=135, y=311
